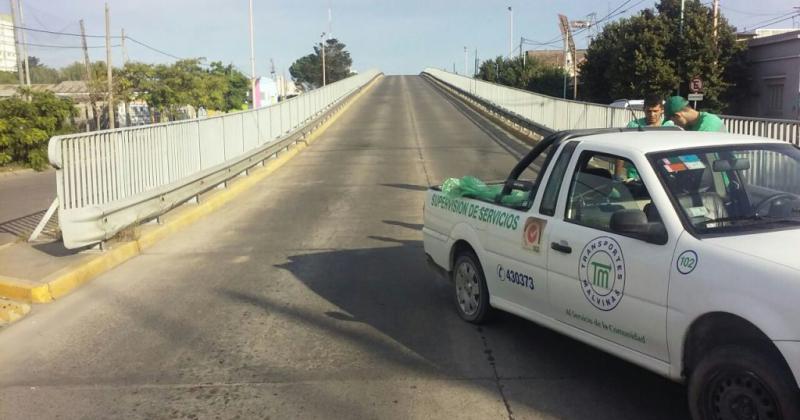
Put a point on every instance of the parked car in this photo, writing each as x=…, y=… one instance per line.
x=636, y=104
x=689, y=268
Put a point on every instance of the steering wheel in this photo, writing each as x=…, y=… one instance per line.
x=770, y=199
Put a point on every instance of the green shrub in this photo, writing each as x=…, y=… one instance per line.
x=26, y=126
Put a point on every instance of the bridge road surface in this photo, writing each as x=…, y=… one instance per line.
x=310, y=298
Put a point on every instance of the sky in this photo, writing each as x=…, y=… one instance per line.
x=397, y=37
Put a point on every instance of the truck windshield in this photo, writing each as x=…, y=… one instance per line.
x=733, y=188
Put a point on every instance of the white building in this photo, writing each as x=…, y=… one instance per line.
x=8, y=51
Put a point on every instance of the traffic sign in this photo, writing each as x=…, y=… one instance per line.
x=695, y=97
x=696, y=85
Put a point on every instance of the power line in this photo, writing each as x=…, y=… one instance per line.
x=612, y=14
x=772, y=21
x=794, y=15
x=56, y=32
x=63, y=46
x=726, y=8
x=152, y=48
x=98, y=36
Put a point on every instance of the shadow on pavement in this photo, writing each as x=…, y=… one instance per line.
x=22, y=227
x=412, y=226
x=407, y=187
x=392, y=290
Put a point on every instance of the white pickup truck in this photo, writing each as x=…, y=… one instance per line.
x=677, y=251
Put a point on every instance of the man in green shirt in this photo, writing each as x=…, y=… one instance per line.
x=686, y=117
x=653, y=114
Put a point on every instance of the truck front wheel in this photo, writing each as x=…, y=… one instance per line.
x=740, y=383
x=471, y=293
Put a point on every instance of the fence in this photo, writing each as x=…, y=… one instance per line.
x=561, y=114
x=109, y=180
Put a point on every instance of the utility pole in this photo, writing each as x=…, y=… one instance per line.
x=322, y=43
x=252, y=59
x=24, y=46
x=475, y=69
x=715, y=9
x=124, y=50
x=510, y=32
x=111, y=120
x=680, y=73
x=16, y=24
x=523, y=54
x=88, y=66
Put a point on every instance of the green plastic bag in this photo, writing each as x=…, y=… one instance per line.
x=472, y=187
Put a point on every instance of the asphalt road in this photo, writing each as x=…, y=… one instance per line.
x=24, y=197
x=310, y=298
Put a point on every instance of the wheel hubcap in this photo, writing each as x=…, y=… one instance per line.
x=741, y=395
x=468, y=289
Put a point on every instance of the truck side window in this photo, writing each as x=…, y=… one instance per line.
x=550, y=196
x=595, y=195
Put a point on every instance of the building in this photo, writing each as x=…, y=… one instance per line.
x=8, y=49
x=774, y=61
x=556, y=58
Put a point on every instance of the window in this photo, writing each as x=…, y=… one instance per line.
x=595, y=194
x=731, y=189
x=550, y=197
x=523, y=182
x=774, y=96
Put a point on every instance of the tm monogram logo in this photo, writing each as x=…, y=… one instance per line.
x=601, y=270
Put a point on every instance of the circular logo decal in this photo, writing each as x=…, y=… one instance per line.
x=601, y=271
x=686, y=262
x=532, y=233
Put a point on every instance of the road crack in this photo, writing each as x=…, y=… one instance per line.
x=497, y=380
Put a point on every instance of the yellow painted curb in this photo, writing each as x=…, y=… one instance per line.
x=67, y=279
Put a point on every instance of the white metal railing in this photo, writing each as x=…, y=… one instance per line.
x=109, y=180
x=560, y=114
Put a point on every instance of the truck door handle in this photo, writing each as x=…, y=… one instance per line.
x=561, y=248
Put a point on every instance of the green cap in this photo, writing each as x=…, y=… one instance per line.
x=675, y=104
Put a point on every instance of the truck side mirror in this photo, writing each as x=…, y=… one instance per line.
x=633, y=222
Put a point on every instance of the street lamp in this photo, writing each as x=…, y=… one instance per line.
x=465, y=61
x=322, y=42
x=510, y=32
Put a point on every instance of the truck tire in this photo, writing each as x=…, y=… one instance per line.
x=471, y=293
x=737, y=382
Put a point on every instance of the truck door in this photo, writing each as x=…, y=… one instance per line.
x=518, y=259
x=605, y=277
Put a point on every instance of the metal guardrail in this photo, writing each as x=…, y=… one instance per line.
x=785, y=130
x=560, y=114
x=110, y=180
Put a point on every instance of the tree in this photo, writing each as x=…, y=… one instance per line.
x=307, y=70
x=74, y=71
x=8, y=77
x=646, y=53
x=40, y=73
x=530, y=74
x=26, y=126
x=237, y=85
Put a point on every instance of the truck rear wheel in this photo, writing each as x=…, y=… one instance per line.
x=739, y=383
x=471, y=293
